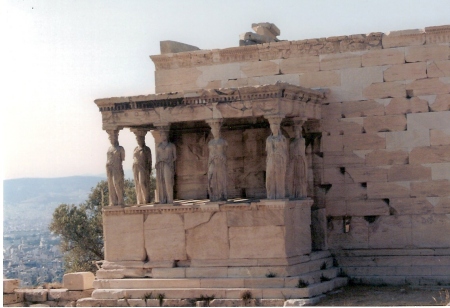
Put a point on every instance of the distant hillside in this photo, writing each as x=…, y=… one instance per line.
x=72, y=189
x=30, y=202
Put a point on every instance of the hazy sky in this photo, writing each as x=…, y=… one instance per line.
x=58, y=56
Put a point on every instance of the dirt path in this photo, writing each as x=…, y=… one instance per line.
x=388, y=296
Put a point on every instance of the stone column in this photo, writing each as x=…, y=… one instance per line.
x=165, y=165
x=277, y=159
x=142, y=167
x=298, y=167
x=114, y=170
x=217, y=163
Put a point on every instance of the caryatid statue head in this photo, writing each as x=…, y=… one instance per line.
x=275, y=126
x=164, y=135
x=140, y=138
x=215, y=127
x=113, y=136
x=298, y=126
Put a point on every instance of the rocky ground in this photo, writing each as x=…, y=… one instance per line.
x=388, y=296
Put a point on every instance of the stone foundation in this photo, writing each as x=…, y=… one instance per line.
x=236, y=239
x=319, y=276
x=13, y=296
x=395, y=266
x=196, y=248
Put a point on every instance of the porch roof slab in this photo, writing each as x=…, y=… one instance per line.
x=249, y=102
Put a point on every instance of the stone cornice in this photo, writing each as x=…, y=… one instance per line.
x=291, y=49
x=208, y=96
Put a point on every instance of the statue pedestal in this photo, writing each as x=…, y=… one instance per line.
x=249, y=239
x=263, y=246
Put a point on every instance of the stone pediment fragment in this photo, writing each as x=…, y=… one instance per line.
x=175, y=47
x=266, y=32
x=266, y=28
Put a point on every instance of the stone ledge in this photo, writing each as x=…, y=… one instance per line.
x=33, y=295
x=194, y=208
x=78, y=281
x=280, y=90
x=299, y=48
x=9, y=285
x=92, y=302
x=310, y=291
x=12, y=298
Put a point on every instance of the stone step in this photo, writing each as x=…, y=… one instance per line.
x=274, y=282
x=316, y=262
x=220, y=292
x=312, y=277
x=92, y=302
x=242, y=271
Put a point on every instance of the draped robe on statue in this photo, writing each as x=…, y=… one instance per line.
x=165, y=166
x=276, y=149
x=142, y=166
x=217, y=170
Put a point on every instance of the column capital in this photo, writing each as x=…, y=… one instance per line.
x=112, y=127
x=214, y=121
x=299, y=120
x=160, y=128
x=162, y=125
x=275, y=118
x=139, y=131
x=114, y=132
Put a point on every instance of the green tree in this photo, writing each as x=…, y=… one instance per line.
x=80, y=227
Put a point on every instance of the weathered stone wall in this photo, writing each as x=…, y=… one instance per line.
x=382, y=171
x=246, y=161
x=13, y=296
x=207, y=240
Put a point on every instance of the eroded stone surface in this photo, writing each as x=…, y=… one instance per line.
x=165, y=237
x=125, y=237
x=78, y=281
x=9, y=285
x=209, y=240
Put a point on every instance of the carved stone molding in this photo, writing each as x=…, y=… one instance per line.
x=206, y=207
x=279, y=90
x=248, y=102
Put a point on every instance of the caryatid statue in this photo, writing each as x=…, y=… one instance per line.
x=165, y=167
x=277, y=156
x=217, y=163
x=114, y=170
x=142, y=168
x=298, y=168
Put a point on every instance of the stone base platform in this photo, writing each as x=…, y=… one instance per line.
x=320, y=277
x=242, y=238
x=262, y=289
x=235, y=250
x=197, y=302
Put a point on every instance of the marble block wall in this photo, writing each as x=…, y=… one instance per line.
x=266, y=233
x=382, y=172
x=246, y=163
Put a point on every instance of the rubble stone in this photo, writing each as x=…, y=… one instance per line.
x=78, y=281
x=9, y=285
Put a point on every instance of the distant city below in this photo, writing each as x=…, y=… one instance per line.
x=30, y=252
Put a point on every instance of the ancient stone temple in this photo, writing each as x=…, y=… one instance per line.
x=284, y=168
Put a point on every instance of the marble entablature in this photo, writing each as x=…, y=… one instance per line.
x=244, y=102
x=246, y=113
